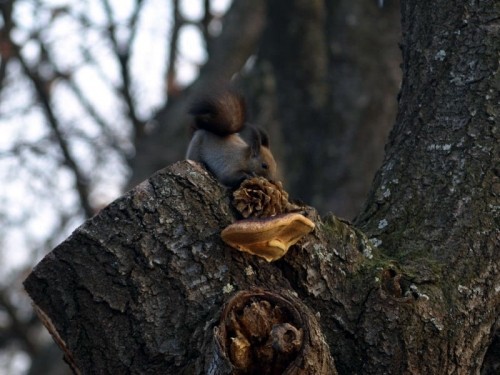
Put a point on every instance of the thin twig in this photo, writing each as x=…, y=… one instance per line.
x=17, y=327
x=5, y=47
x=123, y=57
x=205, y=23
x=42, y=89
x=84, y=101
x=172, y=89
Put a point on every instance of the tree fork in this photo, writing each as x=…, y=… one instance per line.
x=140, y=287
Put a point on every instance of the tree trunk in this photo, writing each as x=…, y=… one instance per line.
x=325, y=85
x=433, y=206
x=147, y=285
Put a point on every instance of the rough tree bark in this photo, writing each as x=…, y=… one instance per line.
x=151, y=272
x=147, y=286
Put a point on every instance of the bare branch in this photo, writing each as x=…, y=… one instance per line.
x=5, y=46
x=205, y=22
x=123, y=57
x=111, y=138
x=42, y=88
x=172, y=88
x=17, y=328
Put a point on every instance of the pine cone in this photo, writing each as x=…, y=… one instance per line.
x=258, y=197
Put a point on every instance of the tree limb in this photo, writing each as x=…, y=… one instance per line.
x=5, y=45
x=152, y=271
x=122, y=53
x=18, y=329
x=42, y=90
x=178, y=22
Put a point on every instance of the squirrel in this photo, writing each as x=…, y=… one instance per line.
x=232, y=149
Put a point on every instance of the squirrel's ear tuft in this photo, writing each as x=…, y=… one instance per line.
x=251, y=136
x=264, y=137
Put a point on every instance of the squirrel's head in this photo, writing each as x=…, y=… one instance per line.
x=261, y=160
x=264, y=163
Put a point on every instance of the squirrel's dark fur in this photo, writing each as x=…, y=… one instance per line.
x=222, y=113
x=232, y=149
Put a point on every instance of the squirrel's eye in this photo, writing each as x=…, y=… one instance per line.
x=264, y=166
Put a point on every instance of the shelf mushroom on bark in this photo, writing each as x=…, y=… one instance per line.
x=270, y=226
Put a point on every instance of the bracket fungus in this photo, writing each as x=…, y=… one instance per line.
x=269, y=238
x=273, y=228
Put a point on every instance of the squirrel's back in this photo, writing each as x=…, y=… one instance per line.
x=229, y=148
